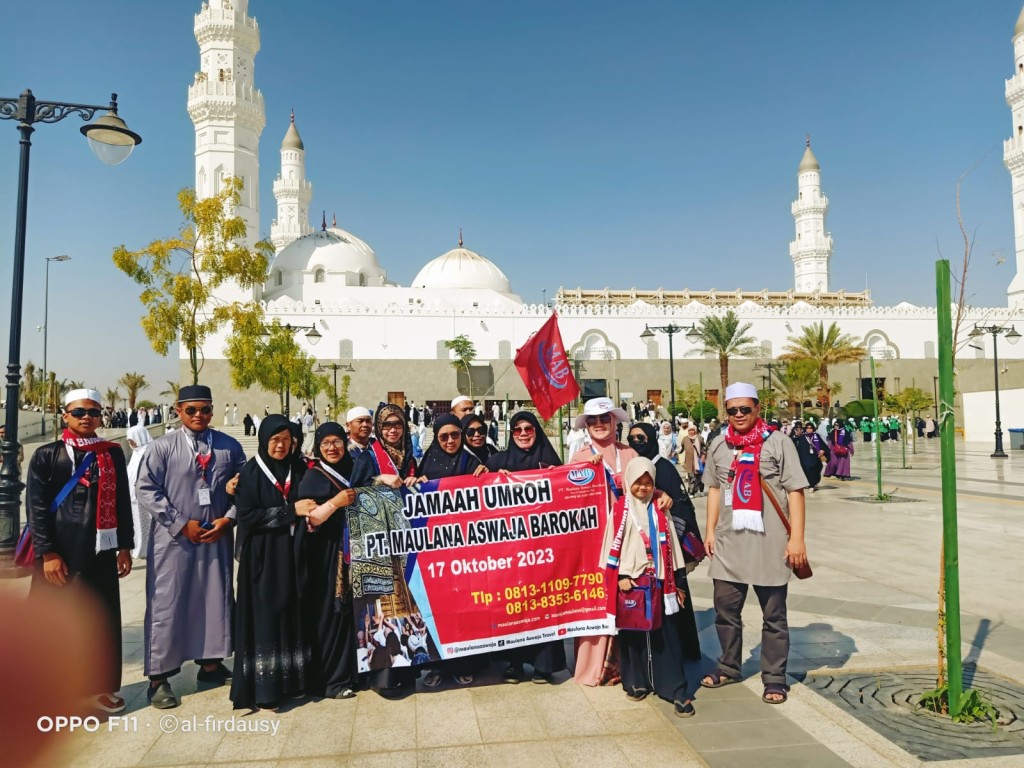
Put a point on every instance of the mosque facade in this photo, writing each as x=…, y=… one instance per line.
x=391, y=337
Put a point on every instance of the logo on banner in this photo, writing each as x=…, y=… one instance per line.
x=581, y=476
x=553, y=364
x=744, y=485
x=562, y=632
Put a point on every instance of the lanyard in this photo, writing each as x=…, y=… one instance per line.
x=270, y=476
x=616, y=491
x=202, y=459
x=336, y=475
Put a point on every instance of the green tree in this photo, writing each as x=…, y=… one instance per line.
x=342, y=402
x=172, y=390
x=796, y=382
x=29, y=384
x=825, y=348
x=910, y=402
x=112, y=396
x=133, y=383
x=464, y=355
x=180, y=275
x=265, y=355
x=724, y=338
x=687, y=397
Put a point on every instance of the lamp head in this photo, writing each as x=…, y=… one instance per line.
x=693, y=335
x=648, y=334
x=1013, y=336
x=109, y=137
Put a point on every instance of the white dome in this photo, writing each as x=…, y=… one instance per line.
x=462, y=268
x=334, y=250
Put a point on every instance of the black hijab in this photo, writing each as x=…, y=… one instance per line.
x=269, y=427
x=438, y=463
x=484, y=451
x=297, y=437
x=648, y=450
x=515, y=459
x=333, y=429
x=667, y=480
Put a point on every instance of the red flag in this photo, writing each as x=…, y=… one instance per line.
x=544, y=367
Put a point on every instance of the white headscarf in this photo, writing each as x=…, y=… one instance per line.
x=141, y=437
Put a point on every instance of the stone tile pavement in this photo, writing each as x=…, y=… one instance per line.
x=870, y=606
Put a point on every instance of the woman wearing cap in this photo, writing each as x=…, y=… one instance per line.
x=323, y=574
x=529, y=448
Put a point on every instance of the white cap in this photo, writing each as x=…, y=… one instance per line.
x=598, y=406
x=359, y=412
x=83, y=394
x=461, y=399
x=740, y=390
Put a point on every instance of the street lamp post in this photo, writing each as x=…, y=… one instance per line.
x=335, y=367
x=112, y=142
x=1013, y=337
x=312, y=336
x=692, y=335
x=46, y=333
x=769, y=365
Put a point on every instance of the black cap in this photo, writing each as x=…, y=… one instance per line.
x=194, y=392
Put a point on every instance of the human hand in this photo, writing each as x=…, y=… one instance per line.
x=595, y=459
x=409, y=482
x=344, y=498
x=681, y=595
x=625, y=584
x=392, y=481
x=504, y=472
x=124, y=563
x=709, y=544
x=193, y=531
x=55, y=570
x=480, y=470
x=304, y=506
x=664, y=502
x=232, y=484
x=210, y=535
x=321, y=514
x=796, y=553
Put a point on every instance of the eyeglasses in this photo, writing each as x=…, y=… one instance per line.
x=391, y=425
x=744, y=409
x=328, y=445
x=604, y=418
x=81, y=413
x=192, y=410
x=474, y=431
x=639, y=439
x=523, y=430
x=444, y=437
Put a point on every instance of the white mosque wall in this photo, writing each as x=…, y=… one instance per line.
x=979, y=415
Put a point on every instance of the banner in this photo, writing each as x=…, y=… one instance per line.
x=544, y=369
x=473, y=565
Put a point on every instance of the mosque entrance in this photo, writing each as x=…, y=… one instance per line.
x=654, y=396
x=397, y=398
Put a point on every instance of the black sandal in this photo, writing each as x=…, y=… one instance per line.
x=774, y=689
x=719, y=678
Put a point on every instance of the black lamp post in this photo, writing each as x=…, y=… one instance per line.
x=692, y=335
x=112, y=142
x=312, y=336
x=768, y=366
x=1013, y=337
x=47, y=413
x=335, y=367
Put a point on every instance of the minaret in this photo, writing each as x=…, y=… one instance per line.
x=226, y=108
x=812, y=250
x=292, y=191
x=1013, y=157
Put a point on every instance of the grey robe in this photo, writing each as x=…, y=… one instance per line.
x=748, y=557
x=189, y=599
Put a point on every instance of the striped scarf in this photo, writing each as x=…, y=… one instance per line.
x=106, y=495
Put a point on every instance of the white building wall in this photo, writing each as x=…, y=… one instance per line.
x=980, y=415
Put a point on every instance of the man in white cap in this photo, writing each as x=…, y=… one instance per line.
x=359, y=422
x=462, y=406
x=80, y=514
x=747, y=539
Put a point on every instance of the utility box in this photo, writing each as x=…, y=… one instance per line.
x=1017, y=439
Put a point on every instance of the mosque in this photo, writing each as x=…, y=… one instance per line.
x=390, y=338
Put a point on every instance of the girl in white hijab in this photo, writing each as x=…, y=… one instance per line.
x=138, y=439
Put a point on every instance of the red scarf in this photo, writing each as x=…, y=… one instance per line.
x=106, y=496
x=620, y=520
x=745, y=476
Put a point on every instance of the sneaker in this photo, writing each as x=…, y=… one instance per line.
x=162, y=697
x=110, y=703
x=684, y=708
x=219, y=675
x=513, y=673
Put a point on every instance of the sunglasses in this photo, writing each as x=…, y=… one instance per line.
x=524, y=430
x=474, y=431
x=604, y=418
x=81, y=413
x=392, y=425
x=192, y=410
x=639, y=439
x=744, y=409
x=445, y=437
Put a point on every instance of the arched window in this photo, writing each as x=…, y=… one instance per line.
x=320, y=275
x=362, y=279
x=442, y=351
x=345, y=350
x=278, y=277
x=929, y=350
x=653, y=353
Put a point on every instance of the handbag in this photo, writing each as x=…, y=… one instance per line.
x=804, y=571
x=693, y=548
x=841, y=450
x=640, y=608
x=25, y=551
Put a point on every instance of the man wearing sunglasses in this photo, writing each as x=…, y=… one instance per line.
x=747, y=466
x=80, y=514
x=186, y=483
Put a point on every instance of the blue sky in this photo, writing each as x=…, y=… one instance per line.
x=587, y=143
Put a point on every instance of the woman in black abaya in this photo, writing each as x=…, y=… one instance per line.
x=643, y=438
x=529, y=448
x=271, y=652
x=324, y=588
x=475, y=437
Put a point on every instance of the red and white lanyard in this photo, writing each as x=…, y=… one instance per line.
x=270, y=476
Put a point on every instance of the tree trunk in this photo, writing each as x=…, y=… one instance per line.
x=723, y=372
x=826, y=392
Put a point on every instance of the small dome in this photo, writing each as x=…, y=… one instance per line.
x=462, y=268
x=334, y=250
x=292, y=140
x=808, y=162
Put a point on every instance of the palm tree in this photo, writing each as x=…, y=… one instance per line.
x=724, y=337
x=796, y=382
x=28, y=387
x=172, y=390
x=824, y=347
x=112, y=396
x=133, y=383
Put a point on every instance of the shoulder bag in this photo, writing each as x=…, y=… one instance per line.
x=804, y=571
x=25, y=551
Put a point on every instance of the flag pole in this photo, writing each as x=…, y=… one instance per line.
x=561, y=433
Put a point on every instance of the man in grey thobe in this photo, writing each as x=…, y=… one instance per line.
x=183, y=484
x=752, y=549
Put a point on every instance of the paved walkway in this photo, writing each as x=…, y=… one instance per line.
x=870, y=606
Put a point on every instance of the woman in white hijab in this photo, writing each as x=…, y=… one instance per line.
x=138, y=439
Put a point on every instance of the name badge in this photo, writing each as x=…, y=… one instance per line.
x=204, y=497
x=727, y=495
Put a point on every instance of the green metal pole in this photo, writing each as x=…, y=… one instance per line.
x=947, y=437
x=875, y=434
